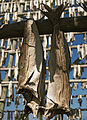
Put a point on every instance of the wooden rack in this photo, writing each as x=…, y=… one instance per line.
x=18, y=10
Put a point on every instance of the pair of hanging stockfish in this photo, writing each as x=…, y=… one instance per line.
x=32, y=68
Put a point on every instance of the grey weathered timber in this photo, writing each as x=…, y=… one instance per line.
x=71, y=24
x=31, y=74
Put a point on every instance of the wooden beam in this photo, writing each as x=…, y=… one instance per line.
x=12, y=30
x=72, y=24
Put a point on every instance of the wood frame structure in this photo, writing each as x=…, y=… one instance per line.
x=71, y=24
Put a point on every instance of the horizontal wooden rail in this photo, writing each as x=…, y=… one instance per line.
x=71, y=24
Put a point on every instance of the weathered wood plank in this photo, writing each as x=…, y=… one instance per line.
x=74, y=24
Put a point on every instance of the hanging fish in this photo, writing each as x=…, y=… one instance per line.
x=15, y=16
x=32, y=72
x=83, y=85
x=83, y=51
x=10, y=89
x=79, y=51
x=71, y=100
x=75, y=86
x=9, y=44
x=71, y=52
x=79, y=71
x=80, y=99
x=9, y=93
x=28, y=15
x=2, y=57
x=14, y=7
x=75, y=71
x=83, y=5
x=16, y=73
x=17, y=58
x=8, y=17
x=11, y=7
x=2, y=43
x=84, y=37
x=5, y=18
x=73, y=2
x=85, y=45
x=70, y=12
x=9, y=73
x=31, y=5
x=58, y=92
